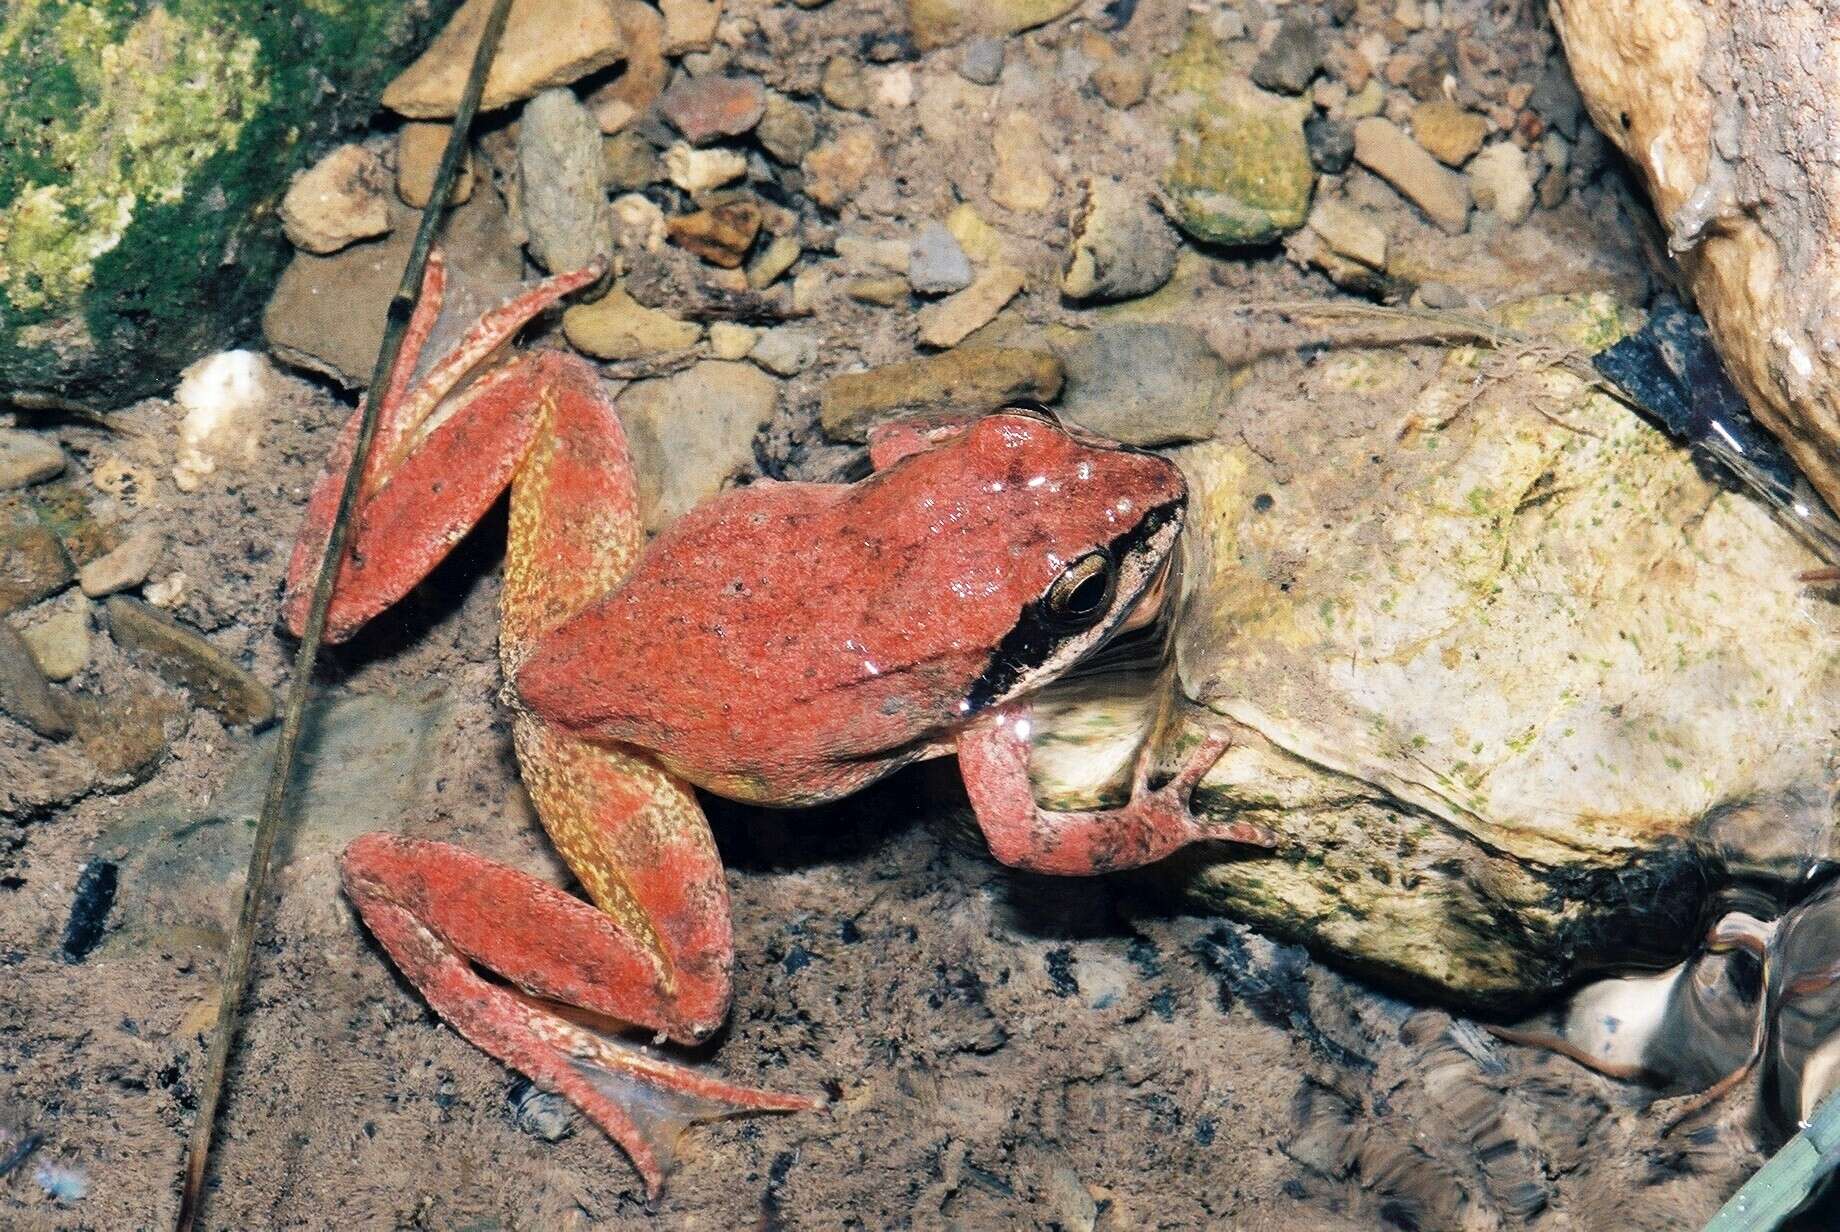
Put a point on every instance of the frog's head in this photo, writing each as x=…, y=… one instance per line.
x=1053, y=538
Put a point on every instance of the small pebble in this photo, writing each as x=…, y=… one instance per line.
x=638, y=222
x=729, y=340
x=690, y=25
x=28, y=458
x=60, y=641
x=530, y=56
x=1292, y=59
x=560, y=182
x=836, y=169
x=705, y=108
x=1443, y=194
x=124, y=568
x=419, y=148
x=185, y=658
x=787, y=130
x=1122, y=247
x=1350, y=231
x=1024, y=178
x=844, y=86
x=1502, y=181
x=337, y=201
x=785, y=350
x=978, y=238
x=628, y=162
x=23, y=692
x=697, y=171
x=982, y=61
x=882, y=292
x=1331, y=144
x=862, y=251
x=544, y=1113
x=721, y=234
x=618, y=327
x=952, y=320
x=779, y=255
x=851, y=402
x=1452, y=133
x=936, y=265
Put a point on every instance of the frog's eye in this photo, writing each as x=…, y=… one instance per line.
x=1083, y=591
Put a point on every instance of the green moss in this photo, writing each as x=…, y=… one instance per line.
x=142, y=148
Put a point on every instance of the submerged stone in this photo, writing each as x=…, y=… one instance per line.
x=1517, y=686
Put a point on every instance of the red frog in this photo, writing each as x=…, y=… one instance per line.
x=783, y=643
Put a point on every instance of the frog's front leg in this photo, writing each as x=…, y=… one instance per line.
x=993, y=756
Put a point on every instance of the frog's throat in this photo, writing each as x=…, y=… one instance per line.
x=1035, y=651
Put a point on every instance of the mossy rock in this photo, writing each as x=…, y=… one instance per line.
x=1241, y=173
x=142, y=149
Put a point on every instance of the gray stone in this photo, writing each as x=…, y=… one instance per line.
x=560, y=171
x=982, y=61
x=327, y=313
x=936, y=265
x=363, y=763
x=1331, y=144
x=1292, y=59
x=1144, y=383
x=60, y=639
x=185, y=658
x=24, y=695
x=692, y=432
x=1121, y=246
x=787, y=130
x=125, y=567
x=544, y=1113
x=28, y=458
x=786, y=350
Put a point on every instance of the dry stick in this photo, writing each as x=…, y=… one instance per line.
x=402, y=305
x=1441, y=326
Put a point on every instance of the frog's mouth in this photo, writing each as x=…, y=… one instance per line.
x=1037, y=651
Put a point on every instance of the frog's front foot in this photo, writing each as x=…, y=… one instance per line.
x=993, y=756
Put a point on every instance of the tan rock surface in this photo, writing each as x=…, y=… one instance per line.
x=1727, y=111
x=547, y=43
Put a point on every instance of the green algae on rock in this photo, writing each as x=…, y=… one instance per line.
x=1520, y=690
x=142, y=148
x=1242, y=172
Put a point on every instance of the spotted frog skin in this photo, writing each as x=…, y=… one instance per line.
x=784, y=643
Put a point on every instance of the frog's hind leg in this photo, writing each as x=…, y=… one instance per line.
x=656, y=953
x=439, y=910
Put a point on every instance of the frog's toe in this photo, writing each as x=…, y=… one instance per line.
x=645, y=1103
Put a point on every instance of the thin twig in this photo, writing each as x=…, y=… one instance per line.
x=1442, y=326
x=402, y=306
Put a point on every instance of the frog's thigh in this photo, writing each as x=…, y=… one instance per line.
x=575, y=531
